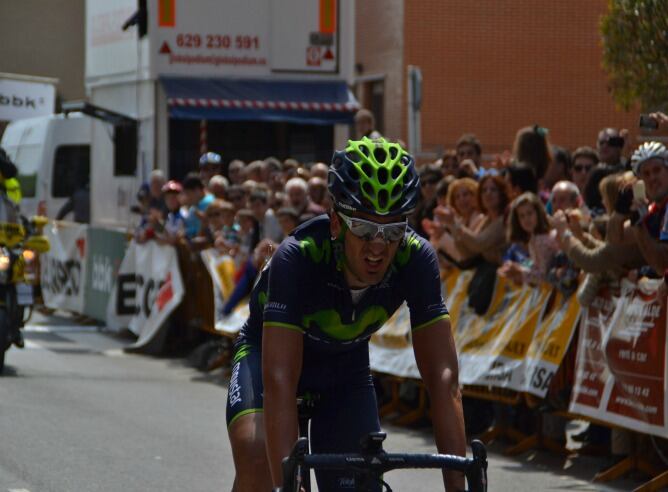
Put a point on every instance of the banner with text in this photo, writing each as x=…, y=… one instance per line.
x=621, y=361
x=515, y=345
x=148, y=288
x=63, y=268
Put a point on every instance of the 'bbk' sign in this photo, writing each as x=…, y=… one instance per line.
x=25, y=99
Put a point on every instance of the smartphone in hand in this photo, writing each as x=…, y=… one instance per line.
x=648, y=123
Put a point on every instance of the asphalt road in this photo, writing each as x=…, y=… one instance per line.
x=78, y=414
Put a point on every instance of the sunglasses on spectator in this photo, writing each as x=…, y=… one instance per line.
x=367, y=230
x=582, y=168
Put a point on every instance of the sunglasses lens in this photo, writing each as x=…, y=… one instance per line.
x=363, y=230
x=395, y=233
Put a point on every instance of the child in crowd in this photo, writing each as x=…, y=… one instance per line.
x=529, y=225
x=174, y=226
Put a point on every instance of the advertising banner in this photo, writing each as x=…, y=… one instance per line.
x=25, y=99
x=247, y=38
x=63, y=268
x=492, y=348
x=621, y=361
x=148, y=288
x=106, y=251
x=549, y=345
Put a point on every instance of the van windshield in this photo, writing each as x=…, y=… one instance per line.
x=27, y=159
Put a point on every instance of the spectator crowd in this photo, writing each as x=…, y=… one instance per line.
x=537, y=214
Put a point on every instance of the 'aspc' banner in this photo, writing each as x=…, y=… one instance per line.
x=621, y=363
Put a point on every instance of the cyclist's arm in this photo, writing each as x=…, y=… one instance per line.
x=281, y=368
x=436, y=358
x=282, y=346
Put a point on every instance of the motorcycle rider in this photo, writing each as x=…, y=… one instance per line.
x=10, y=195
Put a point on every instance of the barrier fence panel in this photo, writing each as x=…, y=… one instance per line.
x=148, y=288
x=63, y=268
x=106, y=249
x=621, y=369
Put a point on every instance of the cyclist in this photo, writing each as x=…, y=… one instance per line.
x=332, y=283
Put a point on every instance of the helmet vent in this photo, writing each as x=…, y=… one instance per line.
x=367, y=169
x=352, y=157
x=382, y=175
x=354, y=174
x=380, y=155
x=396, y=171
x=405, y=160
x=365, y=150
x=383, y=198
x=336, y=162
x=367, y=188
x=393, y=153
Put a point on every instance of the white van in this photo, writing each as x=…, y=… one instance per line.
x=52, y=154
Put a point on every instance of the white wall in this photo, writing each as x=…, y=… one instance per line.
x=112, y=195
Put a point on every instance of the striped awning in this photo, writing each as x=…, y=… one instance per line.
x=304, y=102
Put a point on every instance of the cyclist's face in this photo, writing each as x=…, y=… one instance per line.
x=366, y=261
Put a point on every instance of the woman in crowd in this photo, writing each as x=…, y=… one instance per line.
x=461, y=211
x=430, y=175
x=528, y=225
x=487, y=237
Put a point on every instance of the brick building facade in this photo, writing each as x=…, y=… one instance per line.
x=489, y=67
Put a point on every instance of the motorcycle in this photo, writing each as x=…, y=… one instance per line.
x=20, y=245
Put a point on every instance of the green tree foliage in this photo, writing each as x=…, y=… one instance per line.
x=635, y=52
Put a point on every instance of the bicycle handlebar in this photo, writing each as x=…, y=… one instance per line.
x=378, y=462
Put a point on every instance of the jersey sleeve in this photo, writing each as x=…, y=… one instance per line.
x=423, y=287
x=283, y=307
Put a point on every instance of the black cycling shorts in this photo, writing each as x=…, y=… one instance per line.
x=346, y=411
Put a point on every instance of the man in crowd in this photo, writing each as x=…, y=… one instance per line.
x=210, y=164
x=218, y=186
x=236, y=172
x=468, y=147
x=584, y=161
x=610, y=144
x=564, y=196
x=650, y=218
x=269, y=226
x=365, y=124
x=197, y=201
x=156, y=182
x=297, y=191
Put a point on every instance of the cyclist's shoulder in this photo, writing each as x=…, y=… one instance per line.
x=308, y=244
x=413, y=250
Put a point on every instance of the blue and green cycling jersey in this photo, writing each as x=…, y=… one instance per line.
x=303, y=288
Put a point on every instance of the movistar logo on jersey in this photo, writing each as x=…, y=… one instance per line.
x=410, y=243
x=329, y=322
x=317, y=253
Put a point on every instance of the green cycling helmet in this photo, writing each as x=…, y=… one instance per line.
x=375, y=177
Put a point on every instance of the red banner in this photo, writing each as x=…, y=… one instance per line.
x=621, y=362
